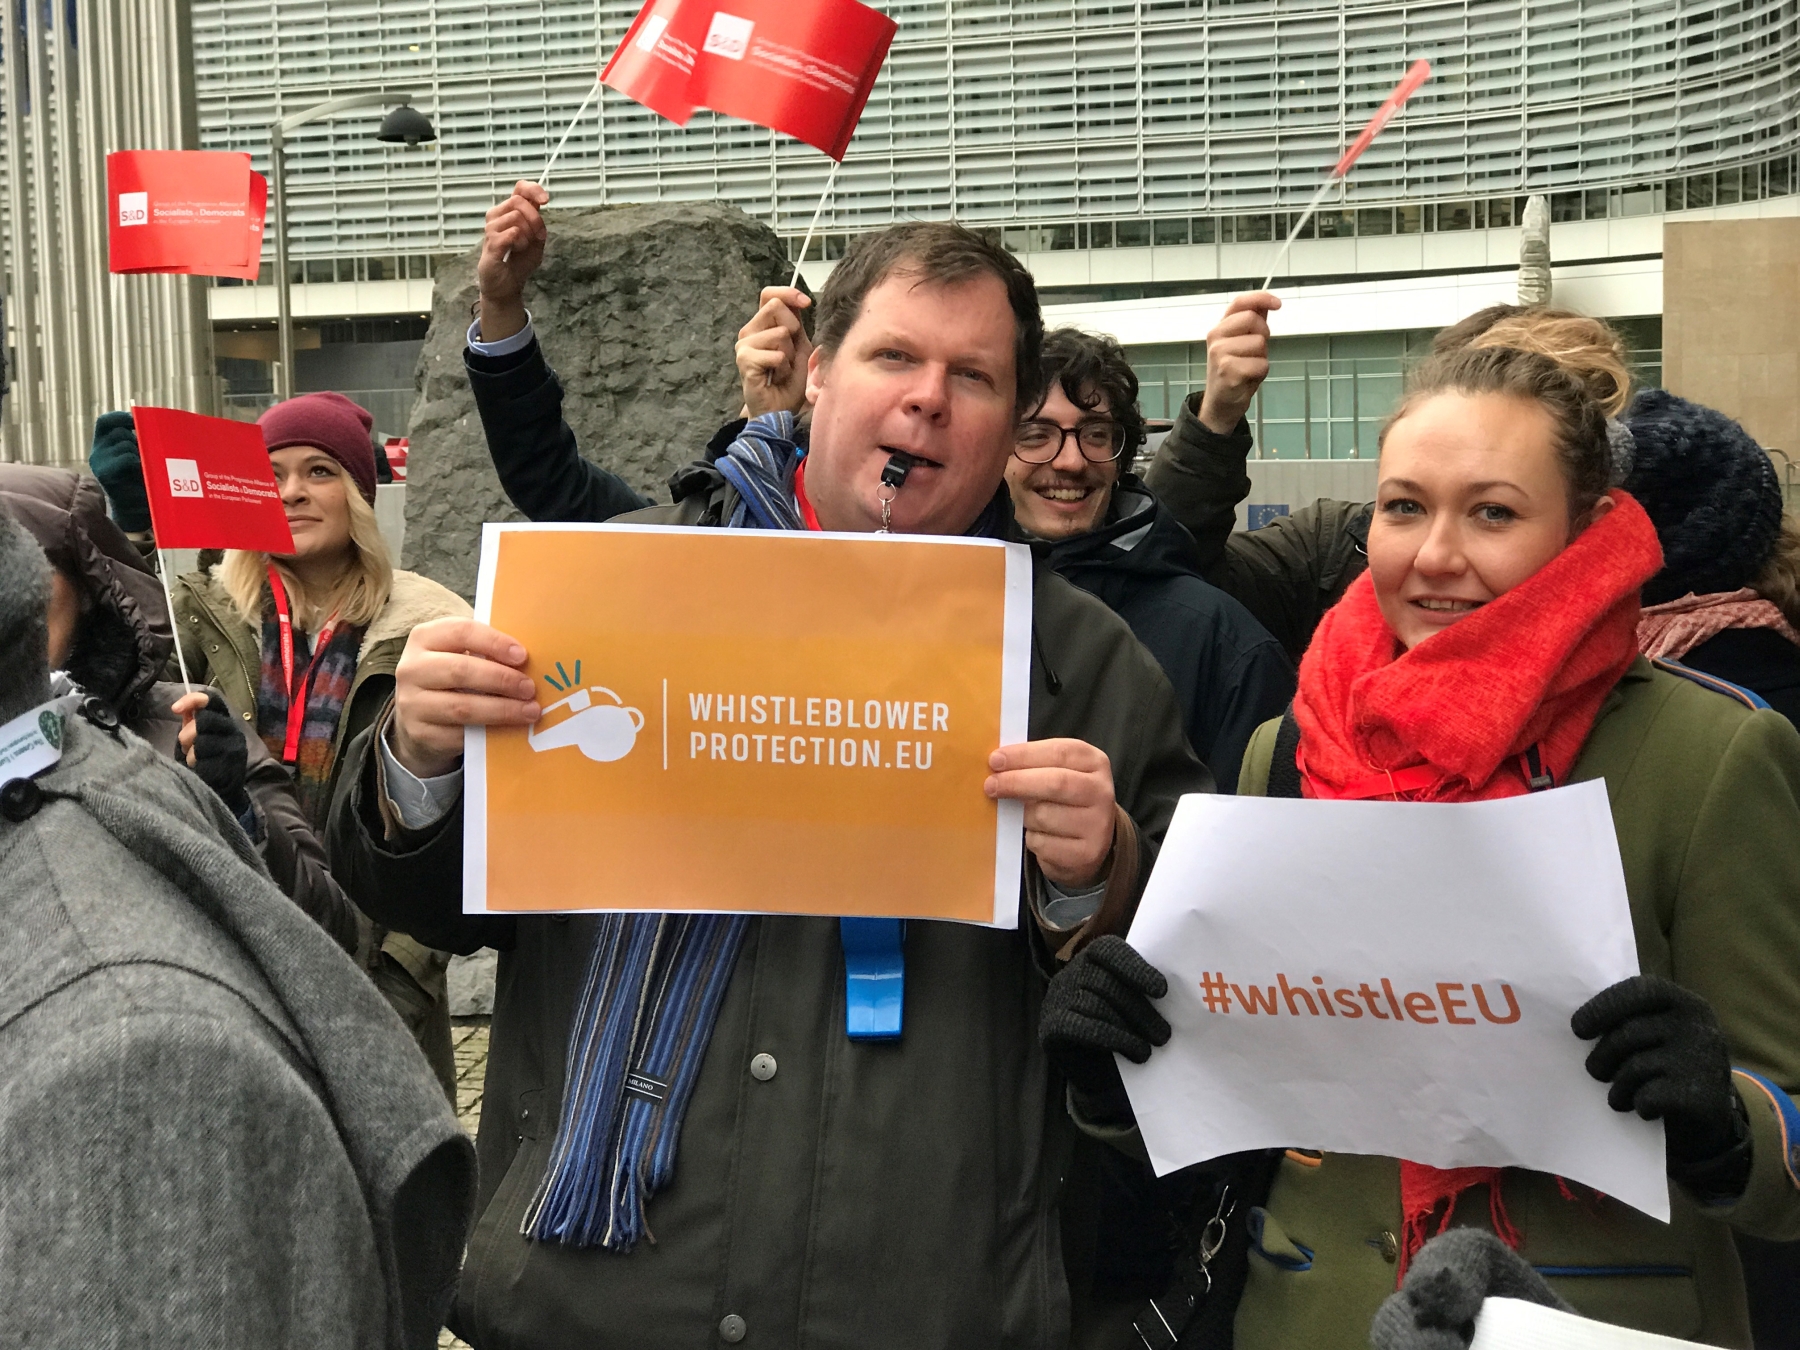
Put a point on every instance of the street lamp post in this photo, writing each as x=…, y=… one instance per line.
x=402, y=124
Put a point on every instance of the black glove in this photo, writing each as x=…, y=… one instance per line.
x=114, y=460
x=220, y=756
x=1445, y=1286
x=1099, y=1003
x=1662, y=1051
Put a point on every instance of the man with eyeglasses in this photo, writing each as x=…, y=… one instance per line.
x=1075, y=498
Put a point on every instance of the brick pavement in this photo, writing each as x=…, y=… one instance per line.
x=469, y=1039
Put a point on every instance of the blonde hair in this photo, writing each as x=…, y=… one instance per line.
x=362, y=587
x=1779, y=580
x=1588, y=349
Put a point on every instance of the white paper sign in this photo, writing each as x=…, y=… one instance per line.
x=1391, y=978
x=1513, y=1324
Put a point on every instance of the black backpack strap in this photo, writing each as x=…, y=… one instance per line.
x=1284, y=766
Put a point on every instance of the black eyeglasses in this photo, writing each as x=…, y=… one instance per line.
x=1039, y=440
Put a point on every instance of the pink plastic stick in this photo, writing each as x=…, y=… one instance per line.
x=1420, y=72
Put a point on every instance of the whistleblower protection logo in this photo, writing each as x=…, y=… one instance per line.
x=604, y=732
x=134, y=208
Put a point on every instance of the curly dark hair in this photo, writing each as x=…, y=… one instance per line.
x=1091, y=367
x=943, y=254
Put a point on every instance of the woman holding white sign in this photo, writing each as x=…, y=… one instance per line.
x=1490, y=652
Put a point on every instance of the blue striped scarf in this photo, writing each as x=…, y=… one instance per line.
x=652, y=989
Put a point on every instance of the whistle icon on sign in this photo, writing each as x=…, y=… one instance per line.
x=603, y=732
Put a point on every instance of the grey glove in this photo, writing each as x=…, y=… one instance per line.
x=1445, y=1287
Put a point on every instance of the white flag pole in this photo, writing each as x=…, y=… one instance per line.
x=162, y=575
x=543, y=179
x=162, y=571
x=1300, y=224
x=818, y=211
x=1416, y=75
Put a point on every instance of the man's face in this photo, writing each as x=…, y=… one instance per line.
x=1069, y=495
x=925, y=369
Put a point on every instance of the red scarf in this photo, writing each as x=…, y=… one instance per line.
x=1452, y=719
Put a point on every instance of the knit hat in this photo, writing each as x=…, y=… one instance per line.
x=328, y=422
x=1711, y=491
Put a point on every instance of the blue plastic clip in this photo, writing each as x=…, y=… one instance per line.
x=874, y=977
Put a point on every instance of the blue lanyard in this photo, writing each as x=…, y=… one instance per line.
x=874, y=977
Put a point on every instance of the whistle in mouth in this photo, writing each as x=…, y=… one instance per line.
x=893, y=473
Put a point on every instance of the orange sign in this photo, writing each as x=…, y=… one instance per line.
x=752, y=721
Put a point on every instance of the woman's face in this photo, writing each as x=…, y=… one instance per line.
x=1472, y=501
x=316, y=496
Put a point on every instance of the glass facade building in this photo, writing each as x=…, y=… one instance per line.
x=1066, y=125
x=1125, y=150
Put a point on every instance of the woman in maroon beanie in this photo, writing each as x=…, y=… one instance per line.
x=304, y=646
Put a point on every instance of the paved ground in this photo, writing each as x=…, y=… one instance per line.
x=469, y=1036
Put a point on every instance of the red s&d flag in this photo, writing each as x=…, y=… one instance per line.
x=209, y=482
x=656, y=59
x=259, y=211
x=802, y=67
x=178, y=211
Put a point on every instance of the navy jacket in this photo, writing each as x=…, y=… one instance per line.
x=1230, y=674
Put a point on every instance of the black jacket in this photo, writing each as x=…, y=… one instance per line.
x=533, y=449
x=1230, y=674
x=1288, y=573
x=1758, y=659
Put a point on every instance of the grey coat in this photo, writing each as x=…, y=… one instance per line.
x=213, y=1131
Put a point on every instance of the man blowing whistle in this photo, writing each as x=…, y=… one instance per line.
x=813, y=1189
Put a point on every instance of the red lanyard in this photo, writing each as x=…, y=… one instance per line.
x=807, y=513
x=296, y=713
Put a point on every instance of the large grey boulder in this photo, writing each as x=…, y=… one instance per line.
x=637, y=308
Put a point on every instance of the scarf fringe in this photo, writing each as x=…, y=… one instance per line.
x=649, y=1000
x=1422, y=1224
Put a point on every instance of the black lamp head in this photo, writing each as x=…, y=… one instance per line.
x=406, y=125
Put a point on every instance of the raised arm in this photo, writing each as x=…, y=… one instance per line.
x=1198, y=471
x=517, y=395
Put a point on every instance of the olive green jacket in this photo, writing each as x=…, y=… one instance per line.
x=1706, y=801
x=222, y=650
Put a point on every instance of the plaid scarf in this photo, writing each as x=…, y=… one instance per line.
x=652, y=989
x=325, y=699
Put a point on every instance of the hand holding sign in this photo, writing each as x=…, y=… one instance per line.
x=1328, y=998
x=1067, y=789
x=456, y=673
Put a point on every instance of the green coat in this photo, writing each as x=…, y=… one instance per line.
x=866, y=1194
x=1706, y=802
